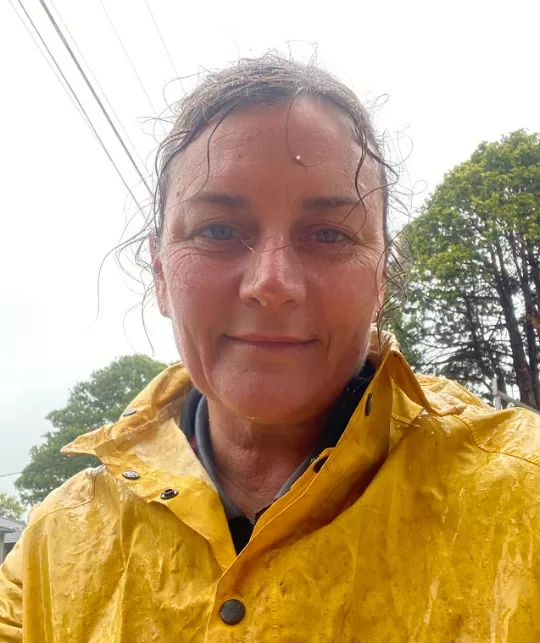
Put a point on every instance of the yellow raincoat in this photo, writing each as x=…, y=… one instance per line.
x=421, y=525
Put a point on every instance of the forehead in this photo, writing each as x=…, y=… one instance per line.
x=301, y=142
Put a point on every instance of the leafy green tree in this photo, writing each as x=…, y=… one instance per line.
x=91, y=404
x=473, y=312
x=10, y=507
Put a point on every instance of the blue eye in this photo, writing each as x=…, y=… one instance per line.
x=329, y=235
x=218, y=232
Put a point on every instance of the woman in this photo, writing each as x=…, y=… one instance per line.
x=292, y=480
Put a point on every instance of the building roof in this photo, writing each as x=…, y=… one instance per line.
x=11, y=528
x=12, y=537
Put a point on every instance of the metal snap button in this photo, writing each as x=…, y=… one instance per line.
x=168, y=494
x=232, y=611
x=131, y=475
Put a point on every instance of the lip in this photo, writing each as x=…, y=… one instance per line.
x=275, y=342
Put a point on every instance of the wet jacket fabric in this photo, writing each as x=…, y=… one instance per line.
x=421, y=525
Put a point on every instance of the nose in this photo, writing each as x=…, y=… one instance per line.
x=274, y=276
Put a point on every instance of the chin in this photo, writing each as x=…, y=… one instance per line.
x=273, y=405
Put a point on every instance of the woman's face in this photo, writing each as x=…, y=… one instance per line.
x=268, y=265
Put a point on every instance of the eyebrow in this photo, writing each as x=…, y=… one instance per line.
x=313, y=203
x=330, y=202
x=219, y=198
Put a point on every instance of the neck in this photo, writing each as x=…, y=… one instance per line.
x=253, y=460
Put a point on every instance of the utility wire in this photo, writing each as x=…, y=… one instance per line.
x=94, y=94
x=73, y=95
x=96, y=82
x=7, y=475
x=132, y=64
x=56, y=70
x=162, y=39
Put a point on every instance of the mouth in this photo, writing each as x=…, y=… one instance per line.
x=271, y=342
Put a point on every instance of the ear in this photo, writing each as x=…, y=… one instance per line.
x=160, y=285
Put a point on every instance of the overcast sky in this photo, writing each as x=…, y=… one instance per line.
x=455, y=73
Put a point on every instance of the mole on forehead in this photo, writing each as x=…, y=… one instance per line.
x=194, y=174
x=249, y=129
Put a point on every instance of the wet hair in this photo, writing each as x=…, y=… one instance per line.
x=267, y=80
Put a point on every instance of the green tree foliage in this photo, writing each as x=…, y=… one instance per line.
x=10, y=507
x=91, y=404
x=474, y=307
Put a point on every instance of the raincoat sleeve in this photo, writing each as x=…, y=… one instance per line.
x=11, y=592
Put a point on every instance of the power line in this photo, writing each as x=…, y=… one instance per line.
x=162, y=39
x=93, y=92
x=7, y=475
x=132, y=64
x=56, y=70
x=96, y=82
x=73, y=95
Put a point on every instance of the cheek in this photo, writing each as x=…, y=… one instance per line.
x=349, y=313
x=198, y=288
x=349, y=295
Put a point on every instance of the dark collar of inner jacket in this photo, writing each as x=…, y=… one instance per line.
x=194, y=423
